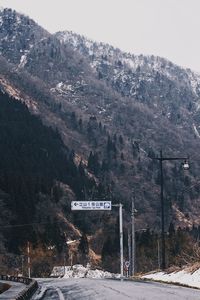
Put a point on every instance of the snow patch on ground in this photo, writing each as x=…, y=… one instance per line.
x=182, y=277
x=79, y=271
x=196, y=131
x=194, y=79
x=23, y=61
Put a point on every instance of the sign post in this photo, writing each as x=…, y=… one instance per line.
x=126, y=267
x=121, y=238
x=104, y=205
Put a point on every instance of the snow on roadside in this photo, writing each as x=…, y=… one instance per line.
x=40, y=293
x=79, y=271
x=182, y=277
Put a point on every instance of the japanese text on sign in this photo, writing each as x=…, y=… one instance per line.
x=91, y=205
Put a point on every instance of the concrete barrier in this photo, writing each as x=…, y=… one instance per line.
x=27, y=292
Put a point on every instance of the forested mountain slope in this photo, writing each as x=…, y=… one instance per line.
x=113, y=112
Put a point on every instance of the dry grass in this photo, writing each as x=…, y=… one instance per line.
x=95, y=259
x=173, y=269
x=190, y=268
x=193, y=267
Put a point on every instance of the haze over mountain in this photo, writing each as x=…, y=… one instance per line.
x=113, y=111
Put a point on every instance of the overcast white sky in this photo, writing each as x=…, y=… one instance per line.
x=168, y=28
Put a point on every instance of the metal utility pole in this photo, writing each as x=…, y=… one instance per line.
x=185, y=167
x=22, y=259
x=163, y=264
x=129, y=250
x=158, y=243
x=121, y=238
x=29, y=260
x=133, y=237
x=71, y=259
x=64, y=262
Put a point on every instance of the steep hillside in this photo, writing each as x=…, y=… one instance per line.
x=38, y=180
x=115, y=110
x=168, y=89
x=32, y=159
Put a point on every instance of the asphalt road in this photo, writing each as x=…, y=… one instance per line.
x=101, y=289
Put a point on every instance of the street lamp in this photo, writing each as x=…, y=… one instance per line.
x=185, y=167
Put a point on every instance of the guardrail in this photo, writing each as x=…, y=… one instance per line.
x=28, y=291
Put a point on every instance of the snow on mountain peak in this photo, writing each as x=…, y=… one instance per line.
x=166, y=87
x=98, y=51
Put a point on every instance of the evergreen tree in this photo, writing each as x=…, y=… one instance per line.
x=83, y=245
x=171, y=230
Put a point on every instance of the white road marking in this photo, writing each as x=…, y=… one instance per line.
x=41, y=293
x=60, y=294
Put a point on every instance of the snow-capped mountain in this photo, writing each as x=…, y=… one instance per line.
x=149, y=79
x=123, y=64
x=18, y=35
x=73, y=66
x=94, y=94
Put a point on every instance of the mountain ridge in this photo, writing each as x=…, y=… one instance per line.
x=111, y=112
x=129, y=73
x=72, y=96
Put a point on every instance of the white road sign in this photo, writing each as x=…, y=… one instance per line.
x=91, y=205
x=127, y=264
